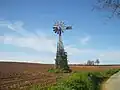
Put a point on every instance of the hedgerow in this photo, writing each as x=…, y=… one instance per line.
x=82, y=81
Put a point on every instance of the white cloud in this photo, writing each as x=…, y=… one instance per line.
x=38, y=44
x=24, y=57
x=28, y=39
x=43, y=42
x=1, y=38
x=16, y=26
x=38, y=41
x=4, y=23
x=76, y=51
x=109, y=56
x=85, y=40
x=71, y=50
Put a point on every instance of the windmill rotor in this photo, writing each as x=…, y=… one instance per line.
x=59, y=27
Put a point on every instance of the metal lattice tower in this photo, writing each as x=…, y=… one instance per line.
x=61, y=55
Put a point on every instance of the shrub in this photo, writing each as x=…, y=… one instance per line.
x=82, y=81
x=54, y=70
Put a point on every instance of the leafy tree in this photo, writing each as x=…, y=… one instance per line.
x=97, y=61
x=92, y=62
x=89, y=62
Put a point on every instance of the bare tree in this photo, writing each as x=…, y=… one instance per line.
x=111, y=5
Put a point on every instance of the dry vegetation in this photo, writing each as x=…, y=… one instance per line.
x=22, y=75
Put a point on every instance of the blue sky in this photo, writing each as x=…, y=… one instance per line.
x=26, y=31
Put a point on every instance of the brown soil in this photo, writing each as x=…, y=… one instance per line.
x=94, y=68
x=21, y=75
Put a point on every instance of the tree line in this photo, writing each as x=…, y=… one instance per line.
x=91, y=62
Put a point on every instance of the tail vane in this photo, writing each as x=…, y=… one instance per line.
x=68, y=27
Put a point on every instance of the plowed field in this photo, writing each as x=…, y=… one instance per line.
x=19, y=76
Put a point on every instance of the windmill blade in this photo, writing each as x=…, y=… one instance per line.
x=55, y=31
x=54, y=27
x=62, y=23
